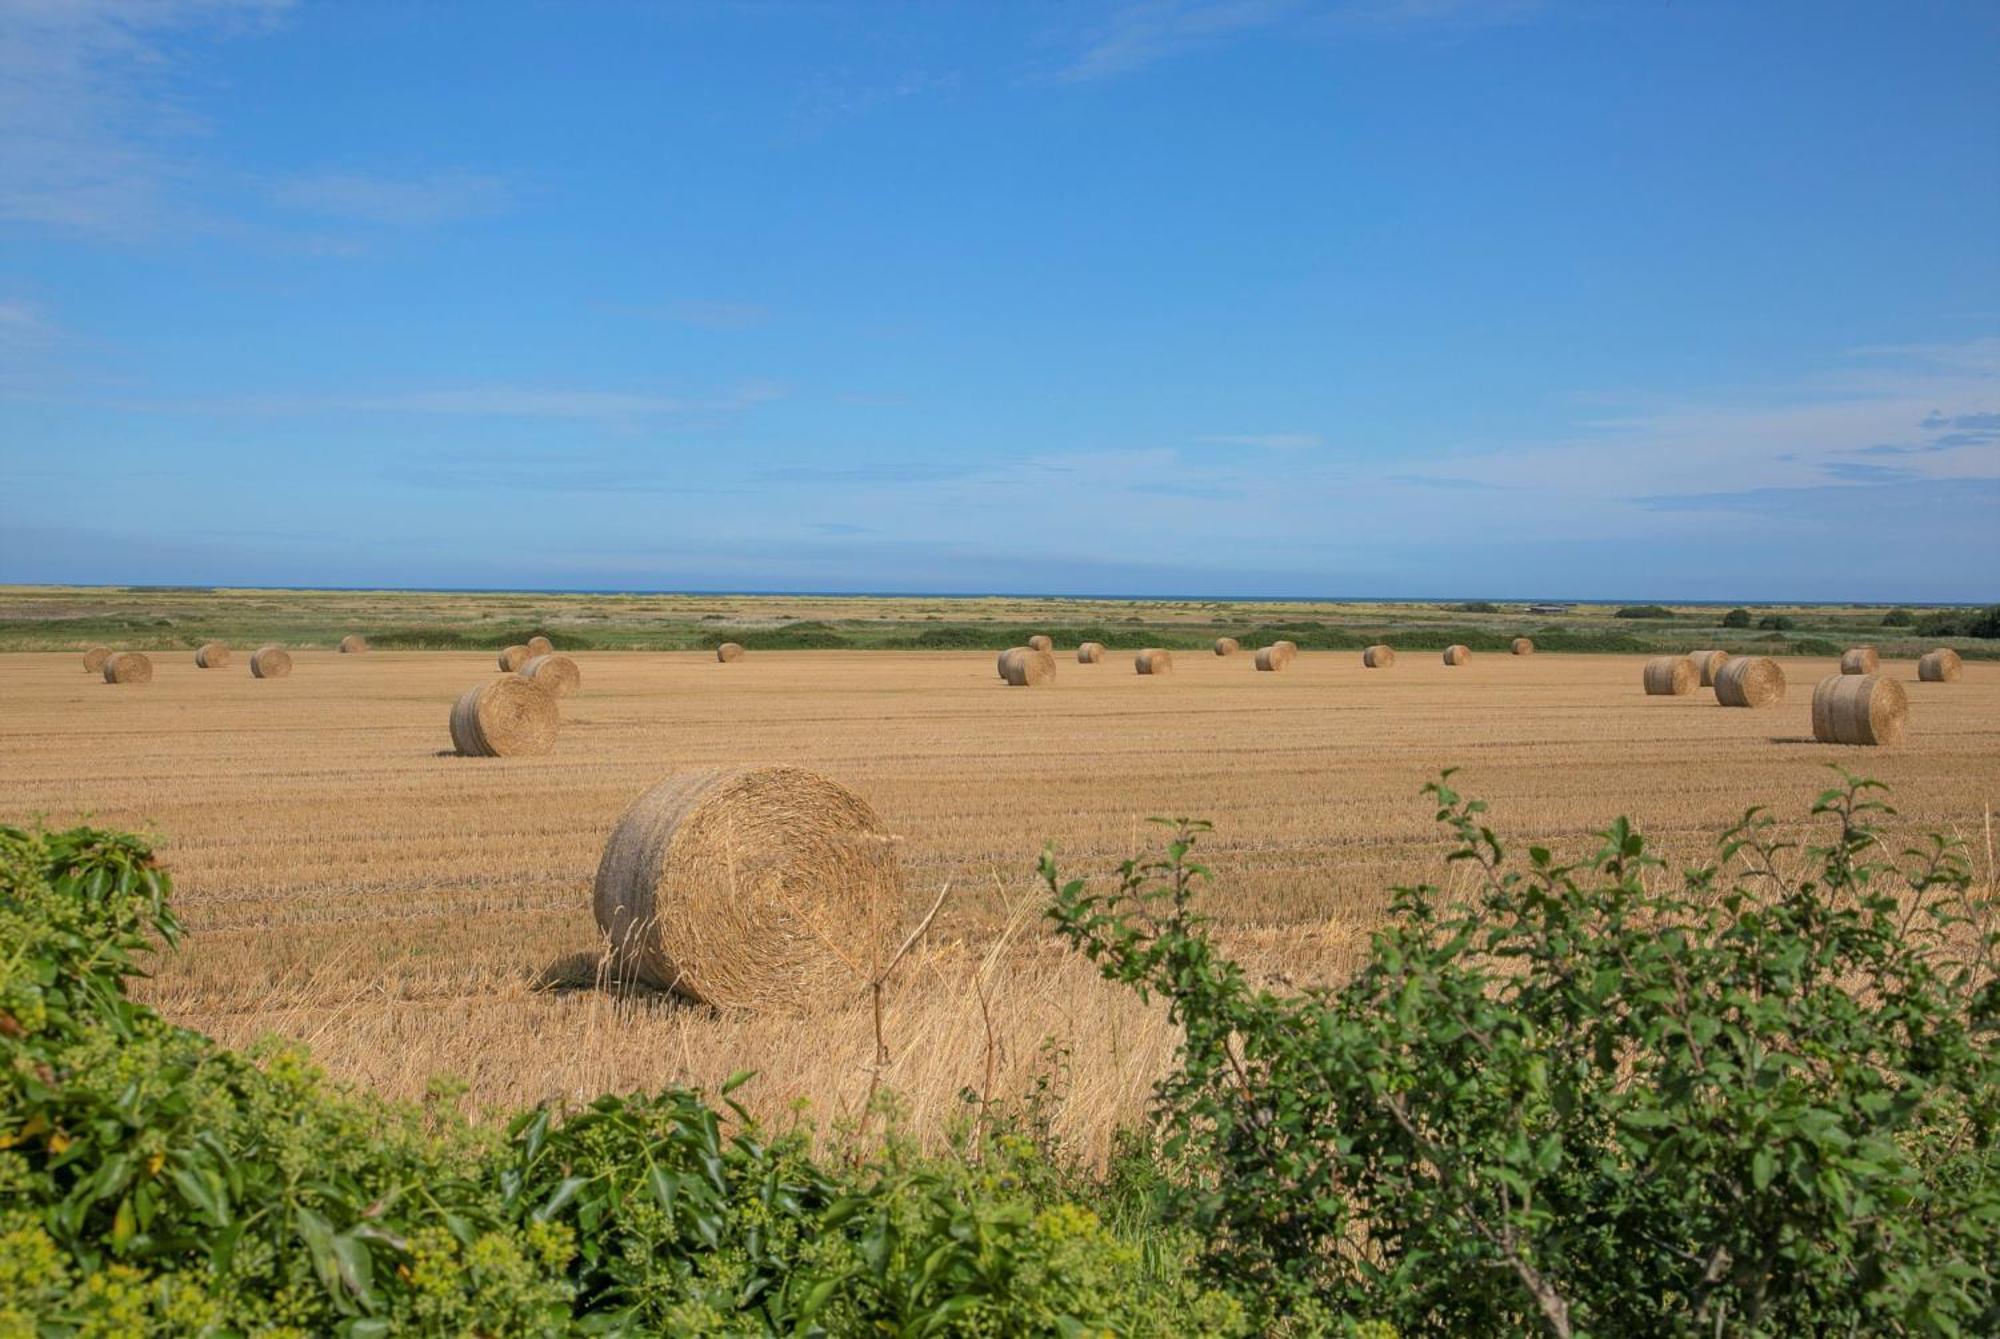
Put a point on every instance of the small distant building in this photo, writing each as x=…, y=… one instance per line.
x=1548, y=609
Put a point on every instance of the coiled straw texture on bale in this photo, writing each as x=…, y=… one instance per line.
x=1860, y=660
x=1290, y=648
x=270, y=662
x=553, y=674
x=126, y=667
x=1227, y=646
x=353, y=644
x=504, y=718
x=1522, y=646
x=513, y=657
x=1671, y=676
x=1271, y=658
x=747, y=888
x=1153, y=660
x=94, y=658
x=1090, y=653
x=1028, y=666
x=1940, y=666
x=1708, y=664
x=1378, y=656
x=1750, y=681
x=1859, y=709
x=1457, y=654
x=1041, y=643
x=539, y=645
x=728, y=652
x=211, y=655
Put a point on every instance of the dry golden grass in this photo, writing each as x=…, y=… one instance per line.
x=409, y=913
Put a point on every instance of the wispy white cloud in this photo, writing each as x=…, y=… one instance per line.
x=1137, y=35
x=395, y=201
x=92, y=127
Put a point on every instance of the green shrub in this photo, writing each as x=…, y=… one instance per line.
x=1644, y=611
x=1736, y=618
x=1961, y=623
x=1899, y=618
x=1761, y=1099
x=1776, y=623
x=1477, y=607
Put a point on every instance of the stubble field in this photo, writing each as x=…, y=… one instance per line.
x=410, y=914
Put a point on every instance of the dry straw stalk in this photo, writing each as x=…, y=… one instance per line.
x=270, y=662
x=504, y=718
x=554, y=674
x=1859, y=709
x=1750, y=681
x=750, y=888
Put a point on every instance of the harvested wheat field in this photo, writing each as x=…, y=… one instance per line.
x=350, y=883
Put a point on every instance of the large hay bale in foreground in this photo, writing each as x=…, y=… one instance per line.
x=513, y=657
x=1457, y=654
x=1522, y=646
x=1153, y=660
x=1041, y=643
x=1090, y=653
x=1940, y=666
x=1708, y=664
x=211, y=655
x=270, y=662
x=353, y=644
x=539, y=645
x=1671, y=676
x=1750, y=681
x=729, y=652
x=504, y=718
x=94, y=658
x=553, y=674
x=1859, y=709
x=1378, y=656
x=746, y=887
x=1227, y=646
x=1860, y=660
x=126, y=667
x=1028, y=666
x=1271, y=659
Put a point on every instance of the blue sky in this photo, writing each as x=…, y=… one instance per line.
x=1379, y=298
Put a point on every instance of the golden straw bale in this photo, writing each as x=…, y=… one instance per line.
x=504, y=718
x=1859, y=709
x=1671, y=676
x=539, y=645
x=1708, y=664
x=1940, y=666
x=211, y=655
x=1272, y=659
x=1227, y=646
x=270, y=662
x=1378, y=656
x=1522, y=646
x=750, y=887
x=1153, y=660
x=1029, y=666
x=126, y=667
x=353, y=644
x=513, y=657
x=1041, y=643
x=1860, y=660
x=94, y=658
x=1457, y=654
x=1090, y=653
x=1750, y=681
x=729, y=652
x=554, y=674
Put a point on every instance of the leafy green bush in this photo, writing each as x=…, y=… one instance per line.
x=152, y=1182
x=459, y=639
x=1736, y=618
x=1776, y=623
x=1899, y=618
x=1477, y=607
x=1758, y=1100
x=1962, y=623
x=1644, y=611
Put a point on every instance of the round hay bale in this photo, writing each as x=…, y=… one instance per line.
x=1153, y=660
x=513, y=657
x=504, y=718
x=1090, y=653
x=126, y=667
x=1860, y=660
x=747, y=887
x=1859, y=709
x=539, y=645
x=1708, y=664
x=729, y=652
x=1041, y=643
x=1028, y=666
x=1272, y=659
x=94, y=658
x=1283, y=653
x=1940, y=666
x=1671, y=676
x=211, y=655
x=1750, y=681
x=1291, y=649
x=553, y=674
x=1522, y=646
x=1227, y=646
x=1378, y=656
x=353, y=644
x=1457, y=654
x=270, y=662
